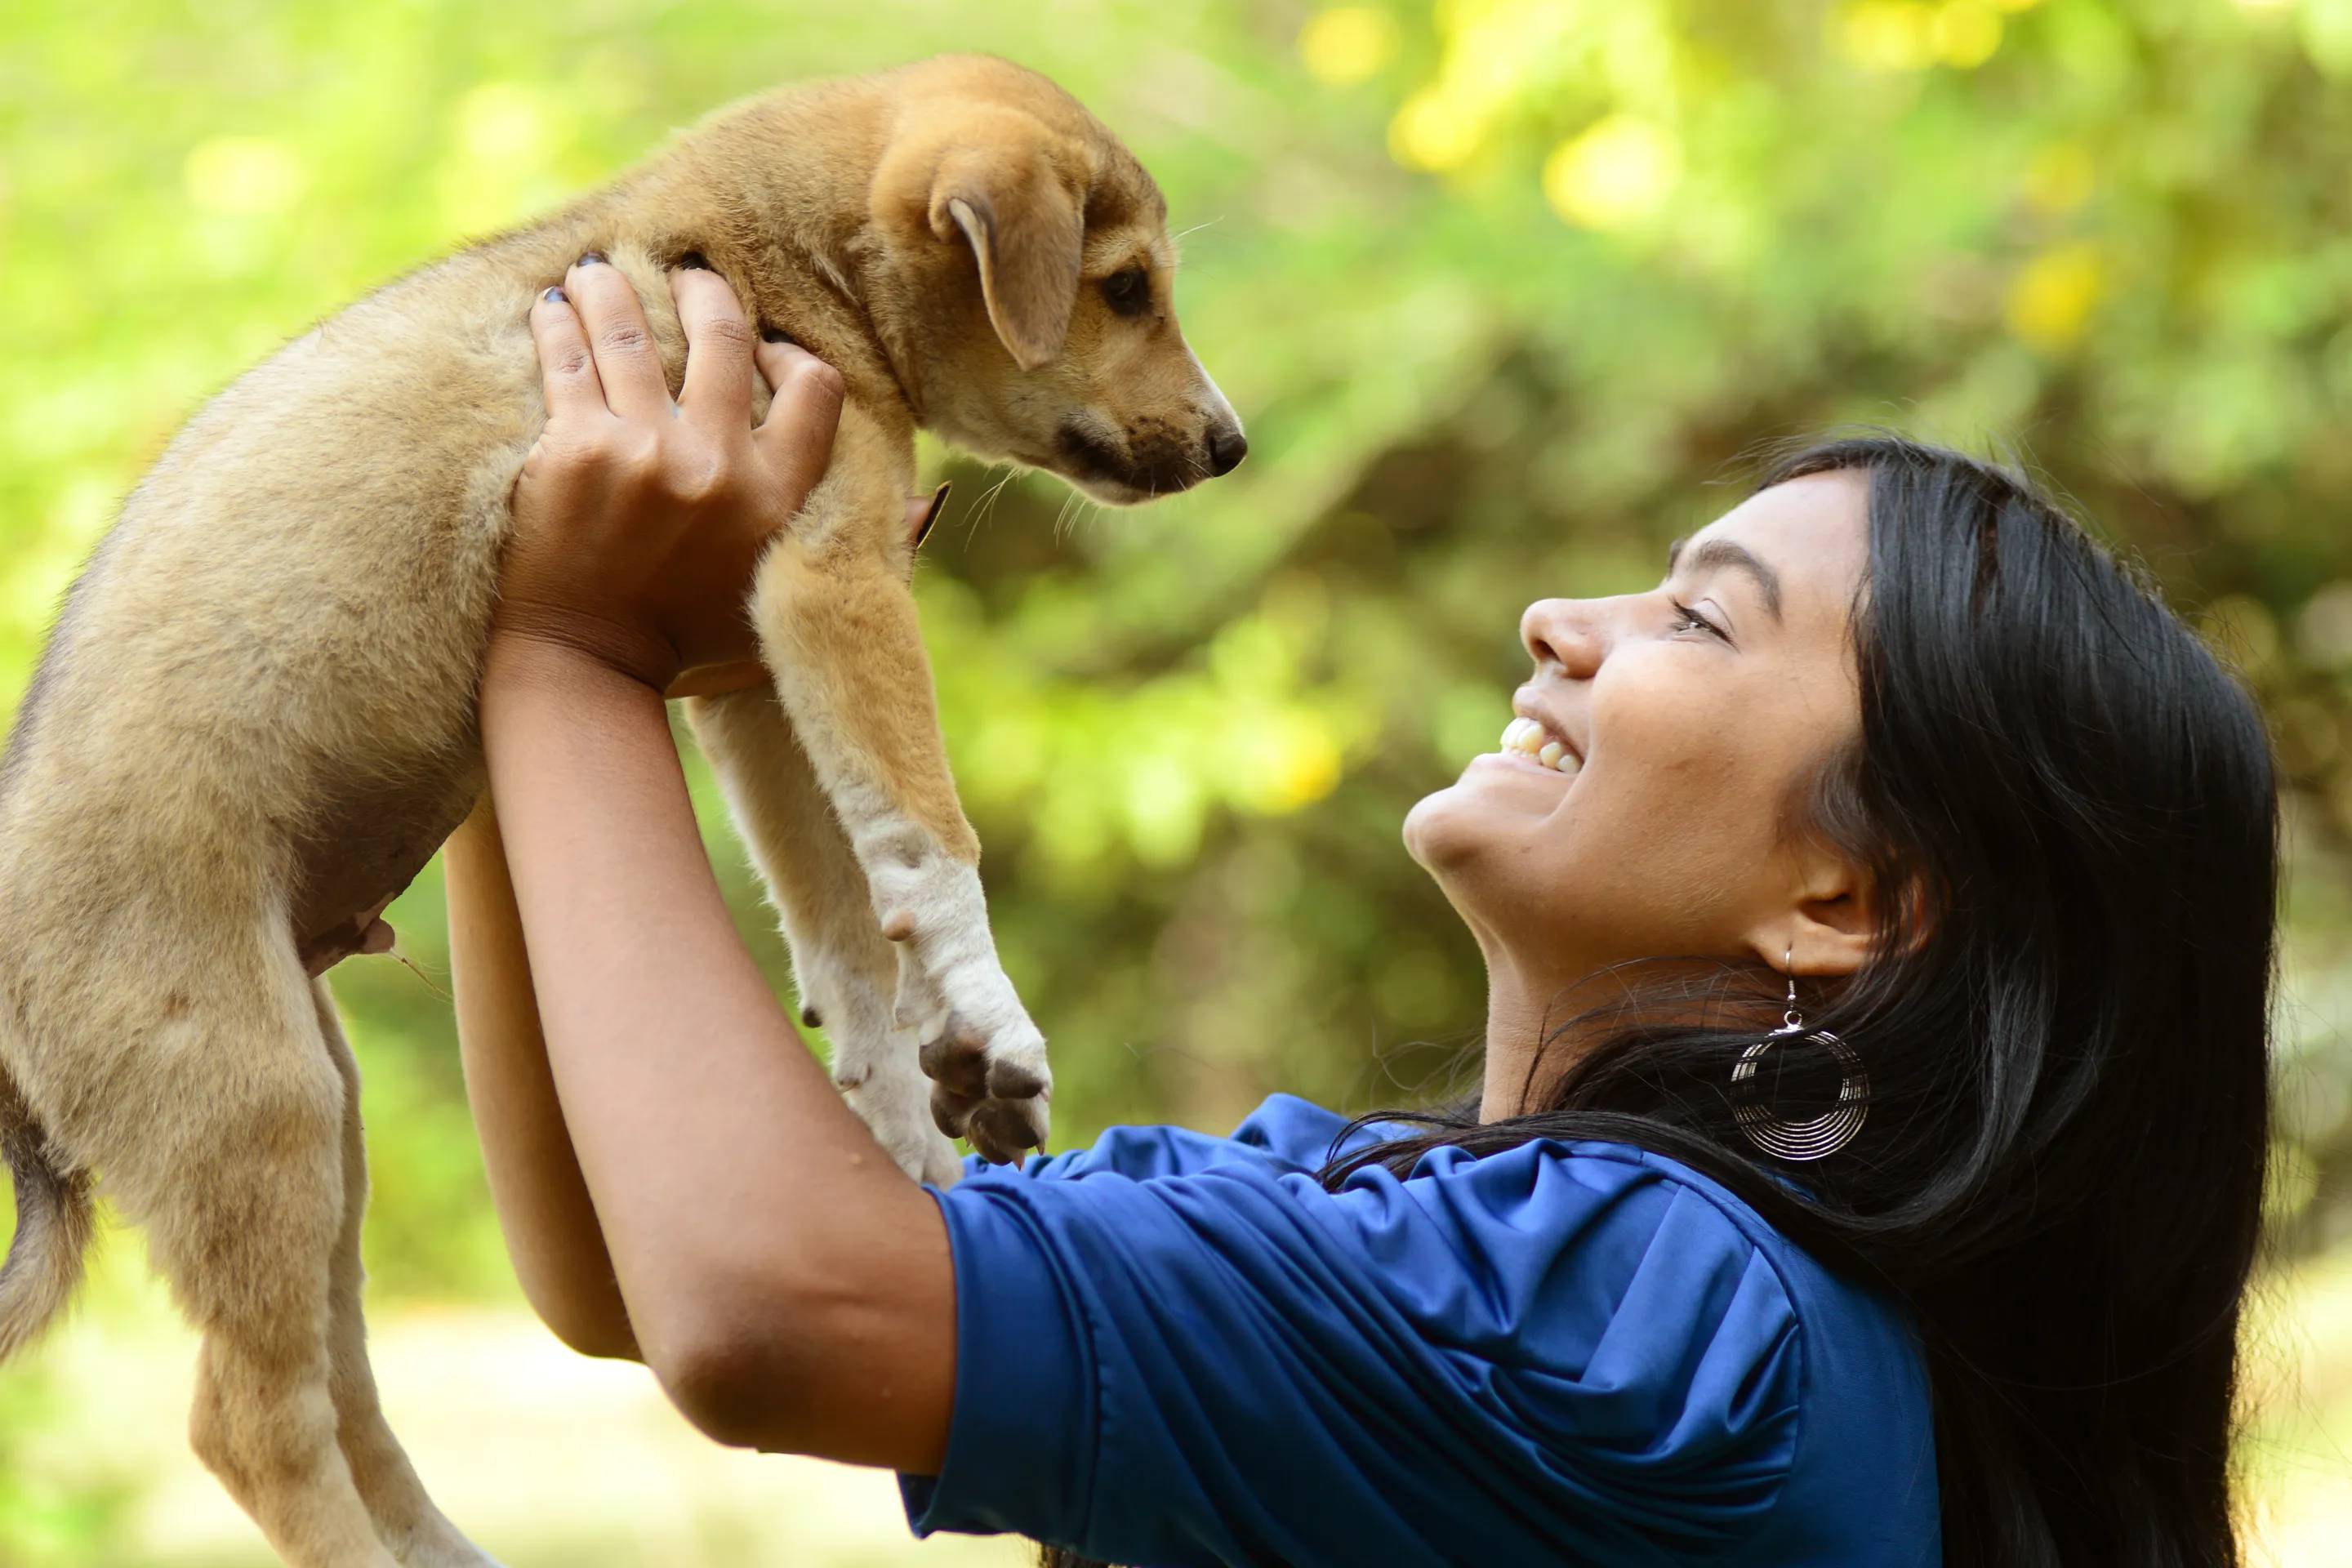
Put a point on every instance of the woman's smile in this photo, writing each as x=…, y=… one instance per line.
x=1533, y=735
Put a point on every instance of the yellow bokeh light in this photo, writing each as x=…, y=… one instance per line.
x=2052, y=300
x=2059, y=178
x=1308, y=768
x=500, y=122
x=1890, y=35
x=243, y=176
x=1345, y=44
x=1913, y=35
x=1968, y=32
x=1434, y=131
x=1615, y=174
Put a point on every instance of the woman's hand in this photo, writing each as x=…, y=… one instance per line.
x=639, y=521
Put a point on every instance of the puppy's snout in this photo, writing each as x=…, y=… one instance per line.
x=1227, y=447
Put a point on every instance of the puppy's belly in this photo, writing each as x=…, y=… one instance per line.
x=365, y=844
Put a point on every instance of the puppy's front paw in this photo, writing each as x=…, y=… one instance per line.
x=985, y=1059
x=993, y=1091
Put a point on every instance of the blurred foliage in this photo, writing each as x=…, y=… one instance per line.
x=1503, y=289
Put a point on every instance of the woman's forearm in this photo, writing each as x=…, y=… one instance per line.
x=542, y=1201
x=789, y=1285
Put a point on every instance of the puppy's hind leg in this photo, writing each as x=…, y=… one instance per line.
x=407, y=1522
x=846, y=972
x=239, y=1183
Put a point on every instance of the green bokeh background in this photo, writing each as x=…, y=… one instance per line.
x=1504, y=289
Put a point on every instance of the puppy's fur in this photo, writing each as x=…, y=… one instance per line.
x=255, y=720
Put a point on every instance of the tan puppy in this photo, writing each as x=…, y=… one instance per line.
x=255, y=720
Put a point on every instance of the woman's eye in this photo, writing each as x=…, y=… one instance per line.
x=1128, y=292
x=1689, y=620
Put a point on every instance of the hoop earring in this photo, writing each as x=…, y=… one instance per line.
x=1816, y=1137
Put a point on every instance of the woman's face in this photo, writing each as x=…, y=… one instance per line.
x=1684, y=718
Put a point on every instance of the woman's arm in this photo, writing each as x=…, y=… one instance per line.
x=542, y=1200
x=791, y=1287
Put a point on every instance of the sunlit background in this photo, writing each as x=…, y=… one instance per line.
x=1504, y=289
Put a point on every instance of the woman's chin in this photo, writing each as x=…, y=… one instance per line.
x=1424, y=825
x=1497, y=801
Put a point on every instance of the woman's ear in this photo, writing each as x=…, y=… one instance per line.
x=1828, y=925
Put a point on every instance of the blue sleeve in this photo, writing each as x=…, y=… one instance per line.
x=1285, y=1133
x=1543, y=1355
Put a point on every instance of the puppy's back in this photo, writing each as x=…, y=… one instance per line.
x=281, y=628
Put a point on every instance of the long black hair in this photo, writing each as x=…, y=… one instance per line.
x=2067, y=808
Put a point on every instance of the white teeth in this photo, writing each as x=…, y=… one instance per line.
x=1527, y=738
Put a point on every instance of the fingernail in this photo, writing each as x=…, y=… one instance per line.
x=555, y=296
x=695, y=261
x=773, y=335
x=590, y=258
x=939, y=503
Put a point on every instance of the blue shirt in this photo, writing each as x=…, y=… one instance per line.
x=1177, y=1350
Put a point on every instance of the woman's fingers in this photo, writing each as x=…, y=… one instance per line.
x=804, y=413
x=717, y=347
x=566, y=369
x=627, y=361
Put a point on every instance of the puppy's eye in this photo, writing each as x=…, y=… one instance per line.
x=1129, y=291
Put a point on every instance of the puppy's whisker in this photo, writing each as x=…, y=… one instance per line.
x=986, y=510
x=1176, y=241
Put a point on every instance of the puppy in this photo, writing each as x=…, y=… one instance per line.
x=255, y=720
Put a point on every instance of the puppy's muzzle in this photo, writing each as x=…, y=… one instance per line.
x=1149, y=462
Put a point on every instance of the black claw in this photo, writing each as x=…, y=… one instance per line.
x=1006, y=1081
x=999, y=1133
x=957, y=1061
x=939, y=502
x=950, y=1113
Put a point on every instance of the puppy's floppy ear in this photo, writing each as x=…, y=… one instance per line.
x=1023, y=218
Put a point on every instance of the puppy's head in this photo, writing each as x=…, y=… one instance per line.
x=1034, y=312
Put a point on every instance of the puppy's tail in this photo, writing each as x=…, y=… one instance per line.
x=54, y=1222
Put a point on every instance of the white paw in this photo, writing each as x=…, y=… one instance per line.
x=894, y=1101
x=986, y=1060
x=874, y=1067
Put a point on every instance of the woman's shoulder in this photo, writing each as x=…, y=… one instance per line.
x=1662, y=1323
x=1619, y=1334
x=1643, y=1277
x=1571, y=1267
x=1609, y=1213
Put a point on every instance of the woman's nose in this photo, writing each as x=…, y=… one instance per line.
x=1565, y=632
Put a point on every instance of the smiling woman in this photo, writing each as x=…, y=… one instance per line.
x=1693, y=711
x=1877, y=918
x=1898, y=729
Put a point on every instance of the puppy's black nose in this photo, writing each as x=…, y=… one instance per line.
x=1227, y=447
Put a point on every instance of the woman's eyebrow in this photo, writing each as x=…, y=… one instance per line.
x=1717, y=555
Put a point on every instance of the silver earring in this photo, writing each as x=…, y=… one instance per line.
x=1816, y=1137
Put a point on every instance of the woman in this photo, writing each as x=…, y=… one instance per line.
x=1950, y=1264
